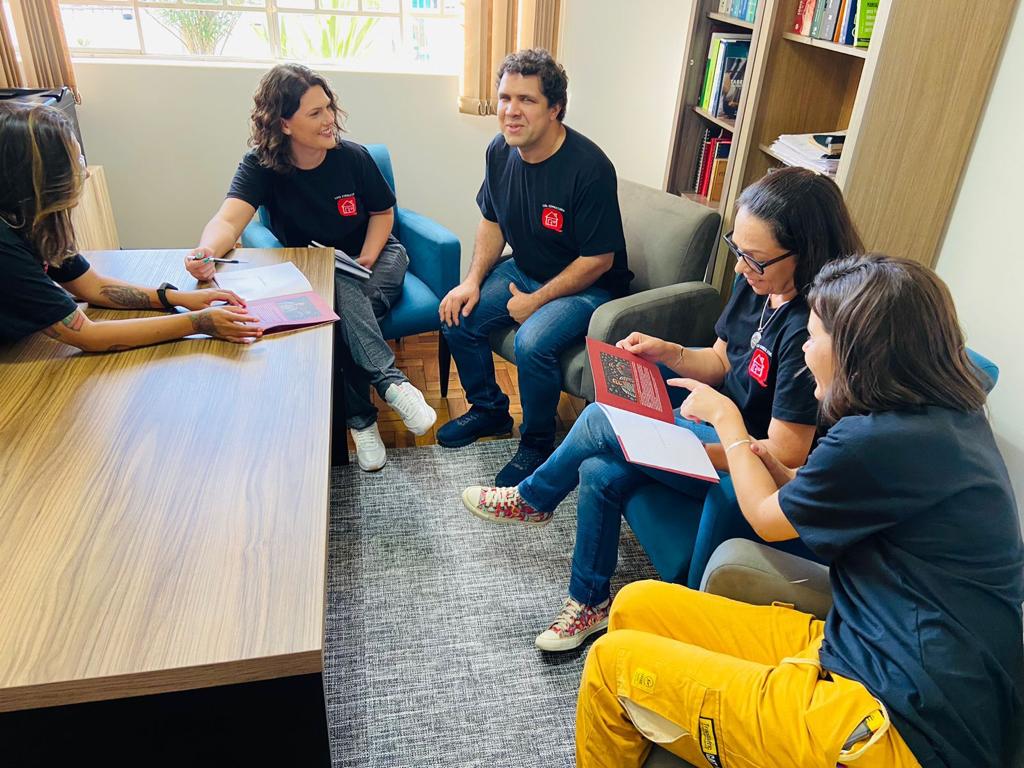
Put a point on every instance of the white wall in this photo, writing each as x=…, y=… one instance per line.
x=624, y=62
x=171, y=135
x=982, y=258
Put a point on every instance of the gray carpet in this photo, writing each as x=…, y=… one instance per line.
x=431, y=615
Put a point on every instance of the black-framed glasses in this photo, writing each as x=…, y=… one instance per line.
x=754, y=264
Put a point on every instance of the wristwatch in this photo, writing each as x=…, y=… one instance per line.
x=161, y=294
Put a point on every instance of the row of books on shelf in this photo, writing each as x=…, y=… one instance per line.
x=712, y=160
x=820, y=152
x=724, y=73
x=744, y=10
x=847, y=22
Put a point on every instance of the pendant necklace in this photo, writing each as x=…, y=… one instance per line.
x=757, y=335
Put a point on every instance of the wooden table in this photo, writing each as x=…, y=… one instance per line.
x=163, y=515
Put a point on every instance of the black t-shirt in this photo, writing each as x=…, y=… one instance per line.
x=915, y=513
x=556, y=210
x=30, y=300
x=331, y=203
x=770, y=380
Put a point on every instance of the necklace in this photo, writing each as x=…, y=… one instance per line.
x=757, y=335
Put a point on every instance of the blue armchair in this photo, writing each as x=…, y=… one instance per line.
x=434, y=267
x=680, y=534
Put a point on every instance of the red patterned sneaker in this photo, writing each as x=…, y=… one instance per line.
x=502, y=505
x=574, y=624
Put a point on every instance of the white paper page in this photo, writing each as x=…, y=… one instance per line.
x=657, y=444
x=265, y=282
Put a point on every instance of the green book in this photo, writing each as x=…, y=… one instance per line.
x=713, y=50
x=819, y=16
x=864, y=24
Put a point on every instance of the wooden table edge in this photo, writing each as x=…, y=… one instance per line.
x=160, y=681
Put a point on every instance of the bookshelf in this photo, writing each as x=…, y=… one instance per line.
x=910, y=102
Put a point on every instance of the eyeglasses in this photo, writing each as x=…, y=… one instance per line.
x=754, y=264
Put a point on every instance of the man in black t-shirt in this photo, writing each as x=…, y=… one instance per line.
x=550, y=193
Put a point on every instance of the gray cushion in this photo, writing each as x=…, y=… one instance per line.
x=760, y=575
x=668, y=238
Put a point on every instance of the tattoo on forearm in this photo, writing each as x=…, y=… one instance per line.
x=126, y=296
x=74, y=321
x=202, y=323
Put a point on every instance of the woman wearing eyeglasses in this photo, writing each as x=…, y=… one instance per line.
x=41, y=271
x=788, y=226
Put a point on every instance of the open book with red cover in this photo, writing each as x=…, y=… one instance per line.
x=285, y=313
x=635, y=399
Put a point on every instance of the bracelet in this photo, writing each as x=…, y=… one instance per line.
x=739, y=442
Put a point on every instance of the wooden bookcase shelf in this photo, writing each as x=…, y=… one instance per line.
x=848, y=50
x=725, y=18
x=721, y=122
x=905, y=149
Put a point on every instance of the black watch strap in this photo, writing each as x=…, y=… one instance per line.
x=161, y=294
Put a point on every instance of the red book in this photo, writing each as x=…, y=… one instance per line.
x=286, y=313
x=634, y=398
x=804, y=17
x=706, y=174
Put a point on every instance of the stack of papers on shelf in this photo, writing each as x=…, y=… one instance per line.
x=815, y=151
x=345, y=263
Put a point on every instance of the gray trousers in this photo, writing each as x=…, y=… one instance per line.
x=363, y=354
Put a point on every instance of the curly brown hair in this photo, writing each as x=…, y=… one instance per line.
x=276, y=98
x=554, y=83
x=43, y=174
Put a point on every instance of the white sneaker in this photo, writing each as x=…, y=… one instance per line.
x=370, y=450
x=408, y=401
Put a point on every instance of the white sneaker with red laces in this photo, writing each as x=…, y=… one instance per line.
x=574, y=624
x=502, y=505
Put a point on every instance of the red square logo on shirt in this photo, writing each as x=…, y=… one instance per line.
x=552, y=218
x=347, y=205
x=760, y=365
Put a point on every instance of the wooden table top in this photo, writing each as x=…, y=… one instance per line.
x=163, y=511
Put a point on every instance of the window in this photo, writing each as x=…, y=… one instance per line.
x=419, y=35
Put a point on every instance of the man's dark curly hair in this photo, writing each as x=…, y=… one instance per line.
x=538, y=62
x=277, y=96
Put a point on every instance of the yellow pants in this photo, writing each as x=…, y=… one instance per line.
x=721, y=683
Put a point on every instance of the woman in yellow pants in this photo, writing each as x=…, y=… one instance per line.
x=920, y=662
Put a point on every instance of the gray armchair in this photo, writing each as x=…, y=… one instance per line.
x=669, y=240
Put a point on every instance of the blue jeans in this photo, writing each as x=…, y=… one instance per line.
x=539, y=344
x=590, y=456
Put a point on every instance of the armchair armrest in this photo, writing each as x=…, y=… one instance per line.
x=434, y=252
x=684, y=313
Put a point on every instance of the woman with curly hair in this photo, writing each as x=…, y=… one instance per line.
x=317, y=186
x=42, y=272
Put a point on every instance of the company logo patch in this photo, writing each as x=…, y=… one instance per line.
x=347, y=205
x=760, y=366
x=644, y=680
x=708, y=741
x=552, y=218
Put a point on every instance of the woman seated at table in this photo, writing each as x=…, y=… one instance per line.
x=43, y=172
x=788, y=226
x=920, y=661
x=319, y=187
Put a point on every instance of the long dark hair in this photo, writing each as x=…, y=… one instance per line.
x=896, y=342
x=277, y=97
x=807, y=215
x=42, y=178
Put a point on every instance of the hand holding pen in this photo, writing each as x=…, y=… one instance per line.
x=199, y=263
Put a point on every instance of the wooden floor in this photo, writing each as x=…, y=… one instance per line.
x=416, y=356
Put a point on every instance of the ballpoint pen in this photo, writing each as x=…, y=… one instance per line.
x=229, y=261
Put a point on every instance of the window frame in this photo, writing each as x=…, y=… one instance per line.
x=271, y=10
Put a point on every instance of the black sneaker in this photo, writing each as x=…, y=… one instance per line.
x=473, y=425
x=523, y=464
